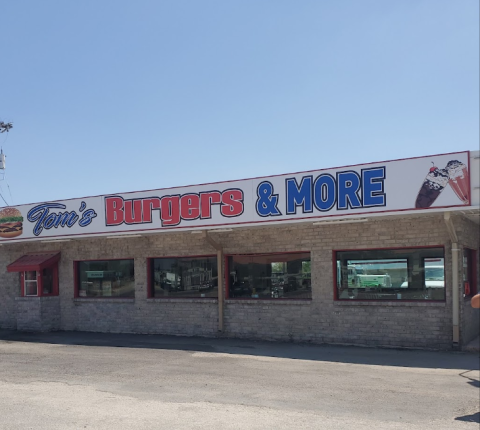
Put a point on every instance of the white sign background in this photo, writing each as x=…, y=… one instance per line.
x=402, y=183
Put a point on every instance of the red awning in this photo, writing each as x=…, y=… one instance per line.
x=35, y=261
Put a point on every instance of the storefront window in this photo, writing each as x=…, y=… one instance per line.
x=30, y=283
x=108, y=278
x=184, y=277
x=394, y=274
x=270, y=276
x=47, y=281
x=469, y=275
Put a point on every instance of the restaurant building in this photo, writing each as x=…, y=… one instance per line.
x=381, y=254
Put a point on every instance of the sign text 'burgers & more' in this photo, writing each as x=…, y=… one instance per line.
x=437, y=181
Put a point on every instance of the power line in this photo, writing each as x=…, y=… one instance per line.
x=3, y=199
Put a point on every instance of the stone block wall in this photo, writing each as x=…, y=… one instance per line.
x=29, y=314
x=9, y=289
x=322, y=319
x=37, y=313
x=50, y=313
x=468, y=235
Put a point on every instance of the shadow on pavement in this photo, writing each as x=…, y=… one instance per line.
x=474, y=418
x=472, y=381
x=324, y=352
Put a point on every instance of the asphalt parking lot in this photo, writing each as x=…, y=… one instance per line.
x=67, y=380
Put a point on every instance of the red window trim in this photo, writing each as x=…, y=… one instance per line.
x=334, y=267
x=227, y=278
x=150, y=286
x=472, y=269
x=39, y=276
x=76, y=279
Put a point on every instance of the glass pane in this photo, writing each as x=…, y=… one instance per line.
x=270, y=276
x=405, y=274
x=47, y=281
x=31, y=288
x=31, y=275
x=195, y=277
x=108, y=278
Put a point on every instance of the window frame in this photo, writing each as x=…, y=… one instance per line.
x=151, y=284
x=76, y=280
x=334, y=269
x=25, y=282
x=265, y=299
x=39, y=282
x=472, y=272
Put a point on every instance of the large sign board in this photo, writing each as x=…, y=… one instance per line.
x=437, y=181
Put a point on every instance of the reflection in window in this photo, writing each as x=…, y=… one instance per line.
x=396, y=274
x=47, y=281
x=30, y=283
x=186, y=277
x=110, y=278
x=270, y=276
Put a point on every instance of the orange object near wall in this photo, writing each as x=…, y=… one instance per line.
x=476, y=301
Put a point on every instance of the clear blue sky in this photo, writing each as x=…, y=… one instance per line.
x=115, y=96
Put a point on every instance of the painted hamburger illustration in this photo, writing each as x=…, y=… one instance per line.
x=433, y=185
x=10, y=222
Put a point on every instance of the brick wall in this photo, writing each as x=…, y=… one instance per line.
x=37, y=313
x=424, y=325
x=9, y=289
x=468, y=236
x=29, y=315
x=50, y=312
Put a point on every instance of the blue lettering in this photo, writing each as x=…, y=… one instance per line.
x=50, y=221
x=267, y=201
x=324, y=192
x=348, y=184
x=61, y=219
x=299, y=196
x=72, y=219
x=372, y=187
x=87, y=217
x=39, y=213
x=43, y=218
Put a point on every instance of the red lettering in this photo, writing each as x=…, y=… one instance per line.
x=190, y=206
x=148, y=206
x=206, y=200
x=114, y=210
x=133, y=211
x=232, y=203
x=170, y=210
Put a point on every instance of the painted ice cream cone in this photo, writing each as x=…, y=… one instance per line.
x=433, y=185
x=458, y=179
